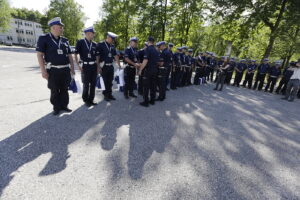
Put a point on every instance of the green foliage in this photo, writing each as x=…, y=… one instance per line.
x=72, y=16
x=5, y=15
x=25, y=14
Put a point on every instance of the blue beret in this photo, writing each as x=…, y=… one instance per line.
x=112, y=35
x=89, y=29
x=55, y=21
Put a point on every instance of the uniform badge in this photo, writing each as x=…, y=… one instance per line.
x=109, y=55
x=89, y=55
x=60, y=52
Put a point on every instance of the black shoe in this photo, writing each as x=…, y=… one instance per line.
x=93, y=103
x=291, y=100
x=126, y=96
x=88, y=104
x=106, y=98
x=152, y=102
x=159, y=99
x=56, y=112
x=111, y=97
x=284, y=98
x=133, y=95
x=215, y=89
x=220, y=89
x=167, y=89
x=145, y=104
x=67, y=110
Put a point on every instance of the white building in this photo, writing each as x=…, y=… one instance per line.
x=22, y=32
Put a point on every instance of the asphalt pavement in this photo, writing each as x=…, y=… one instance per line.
x=198, y=144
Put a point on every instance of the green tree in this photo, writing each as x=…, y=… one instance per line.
x=72, y=16
x=5, y=15
x=25, y=14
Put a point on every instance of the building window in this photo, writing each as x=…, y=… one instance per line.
x=17, y=30
x=16, y=22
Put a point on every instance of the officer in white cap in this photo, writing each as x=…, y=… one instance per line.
x=56, y=63
x=132, y=64
x=88, y=65
x=108, y=54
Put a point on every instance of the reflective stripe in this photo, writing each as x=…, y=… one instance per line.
x=89, y=63
x=49, y=66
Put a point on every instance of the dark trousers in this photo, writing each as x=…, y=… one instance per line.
x=89, y=76
x=282, y=86
x=180, y=77
x=189, y=76
x=199, y=74
x=260, y=78
x=184, y=77
x=140, y=84
x=238, y=78
x=129, y=78
x=58, y=83
x=292, y=88
x=220, y=80
x=149, y=84
x=248, y=79
x=168, y=76
x=174, y=77
x=228, y=77
x=271, y=82
x=211, y=74
x=108, y=76
x=161, y=83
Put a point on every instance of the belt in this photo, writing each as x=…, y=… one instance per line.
x=273, y=76
x=49, y=65
x=89, y=63
x=108, y=64
x=161, y=68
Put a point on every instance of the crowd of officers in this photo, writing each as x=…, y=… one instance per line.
x=156, y=64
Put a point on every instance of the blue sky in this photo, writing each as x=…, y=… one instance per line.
x=90, y=7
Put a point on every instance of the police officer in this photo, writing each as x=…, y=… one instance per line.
x=170, y=67
x=56, y=62
x=141, y=54
x=184, y=69
x=222, y=74
x=239, y=71
x=219, y=65
x=162, y=69
x=250, y=74
x=199, y=69
x=132, y=63
x=261, y=74
x=175, y=79
x=287, y=73
x=90, y=68
x=190, y=66
x=230, y=71
x=108, y=54
x=274, y=72
x=150, y=68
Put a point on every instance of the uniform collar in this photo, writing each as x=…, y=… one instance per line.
x=51, y=35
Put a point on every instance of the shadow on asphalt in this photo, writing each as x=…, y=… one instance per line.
x=18, y=50
x=151, y=130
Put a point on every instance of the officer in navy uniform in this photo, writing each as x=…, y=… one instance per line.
x=190, y=67
x=213, y=64
x=150, y=68
x=170, y=67
x=239, y=71
x=166, y=61
x=261, y=74
x=132, y=64
x=274, y=72
x=56, y=63
x=86, y=48
x=230, y=71
x=108, y=55
x=199, y=69
x=184, y=69
x=287, y=73
x=141, y=54
x=250, y=74
x=175, y=79
x=219, y=65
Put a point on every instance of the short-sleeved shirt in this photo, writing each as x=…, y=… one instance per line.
x=241, y=66
x=251, y=67
x=189, y=60
x=153, y=57
x=274, y=71
x=84, y=48
x=232, y=66
x=106, y=51
x=177, y=59
x=56, y=51
x=263, y=68
x=167, y=57
x=131, y=54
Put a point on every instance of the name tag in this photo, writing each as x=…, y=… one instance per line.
x=60, y=52
x=89, y=55
x=109, y=55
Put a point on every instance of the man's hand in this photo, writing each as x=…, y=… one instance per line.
x=140, y=72
x=45, y=75
x=99, y=70
x=137, y=65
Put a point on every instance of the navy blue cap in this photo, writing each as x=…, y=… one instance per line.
x=55, y=21
x=179, y=48
x=135, y=39
x=265, y=59
x=151, y=39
